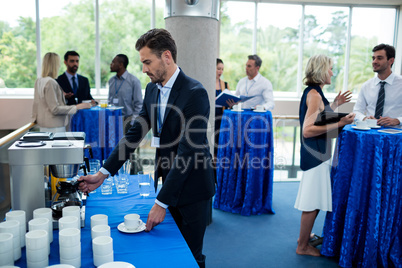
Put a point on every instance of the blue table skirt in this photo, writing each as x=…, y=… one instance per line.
x=245, y=163
x=365, y=226
x=164, y=246
x=103, y=129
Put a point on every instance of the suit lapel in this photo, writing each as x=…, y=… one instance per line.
x=153, y=108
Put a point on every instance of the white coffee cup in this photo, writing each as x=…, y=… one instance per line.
x=68, y=222
x=132, y=221
x=19, y=215
x=100, y=230
x=371, y=122
x=361, y=124
x=69, y=237
x=237, y=107
x=6, y=249
x=102, y=245
x=38, y=264
x=7, y=257
x=37, y=255
x=36, y=239
x=102, y=259
x=45, y=213
x=99, y=219
x=259, y=108
x=13, y=227
x=61, y=266
x=68, y=253
x=76, y=262
x=74, y=211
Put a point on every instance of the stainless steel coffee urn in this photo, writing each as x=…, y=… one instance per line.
x=32, y=155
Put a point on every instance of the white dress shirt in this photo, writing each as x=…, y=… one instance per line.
x=164, y=97
x=367, y=100
x=260, y=87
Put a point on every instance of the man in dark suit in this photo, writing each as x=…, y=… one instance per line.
x=75, y=86
x=176, y=108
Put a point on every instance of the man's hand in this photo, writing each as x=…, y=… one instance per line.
x=155, y=216
x=369, y=117
x=91, y=182
x=387, y=121
x=230, y=103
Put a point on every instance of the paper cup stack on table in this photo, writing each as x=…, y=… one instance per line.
x=6, y=249
x=37, y=245
x=19, y=215
x=61, y=266
x=102, y=248
x=70, y=246
x=13, y=227
x=47, y=214
x=99, y=219
x=40, y=224
x=100, y=230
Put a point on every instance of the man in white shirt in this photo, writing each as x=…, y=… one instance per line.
x=256, y=86
x=370, y=104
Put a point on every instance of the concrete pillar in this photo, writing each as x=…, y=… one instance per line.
x=194, y=27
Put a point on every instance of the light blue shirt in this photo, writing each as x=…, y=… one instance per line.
x=70, y=79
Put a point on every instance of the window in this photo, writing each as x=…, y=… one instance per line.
x=325, y=32
x=367, y=33
x=278, y=44
x=237, y=23
x=17, y=45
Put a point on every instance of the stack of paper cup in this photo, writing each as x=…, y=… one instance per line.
x=61, y=266
x=70, y=246
x=6, y=249
x=74, y=211
x=13, y=227
x=68, y=222
x=102, y=247
x=40, y=224
x=19, y=215
x=45, y=213
x=37, y=248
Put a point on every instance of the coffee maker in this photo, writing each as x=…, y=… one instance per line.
x=33, y=158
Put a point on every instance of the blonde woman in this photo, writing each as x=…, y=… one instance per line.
x=315, y=150
x=49, y=109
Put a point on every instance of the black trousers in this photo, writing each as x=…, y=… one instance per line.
x=192, y=222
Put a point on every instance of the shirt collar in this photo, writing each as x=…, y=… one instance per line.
x=124, y=75
x=69, y=76
x=169, y=83
x=255, y=79
x=388, y=80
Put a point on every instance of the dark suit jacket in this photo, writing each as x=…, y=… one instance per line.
x=183, y=160
x=83, y=91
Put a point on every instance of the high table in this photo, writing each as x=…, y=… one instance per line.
x=163, y=246
x=245, y=163
x=103, y=128
x=365, y=226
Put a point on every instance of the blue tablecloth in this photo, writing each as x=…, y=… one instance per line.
x=245, y=163
x=103, y=129
x=365, y=226
x=164, y=246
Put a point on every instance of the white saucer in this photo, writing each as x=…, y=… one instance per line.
x=361, y=128
x=259, y=111
x=117, y=264
x=122, y=228
x=375, y=127
x=237, y=110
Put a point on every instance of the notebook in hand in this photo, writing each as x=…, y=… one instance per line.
x=327, y=117
x=226, y=95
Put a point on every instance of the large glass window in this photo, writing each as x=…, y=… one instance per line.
x=17, y=45
x=237, y=23
x=278, y=44
x=368, y=32
x=69, y=25
x=325, y=32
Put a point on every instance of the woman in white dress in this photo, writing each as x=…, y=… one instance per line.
x=49, y=109
x=315, y=152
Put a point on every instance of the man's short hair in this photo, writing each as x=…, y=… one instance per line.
x=258, y=60
x=123, y=59
x=70, y=53
x=158, y=41
x=389, y=50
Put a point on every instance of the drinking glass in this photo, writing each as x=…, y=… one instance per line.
x=144, y=183
x=107, y=186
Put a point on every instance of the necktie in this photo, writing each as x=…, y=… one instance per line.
x=75, y=86
x=380, y=101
